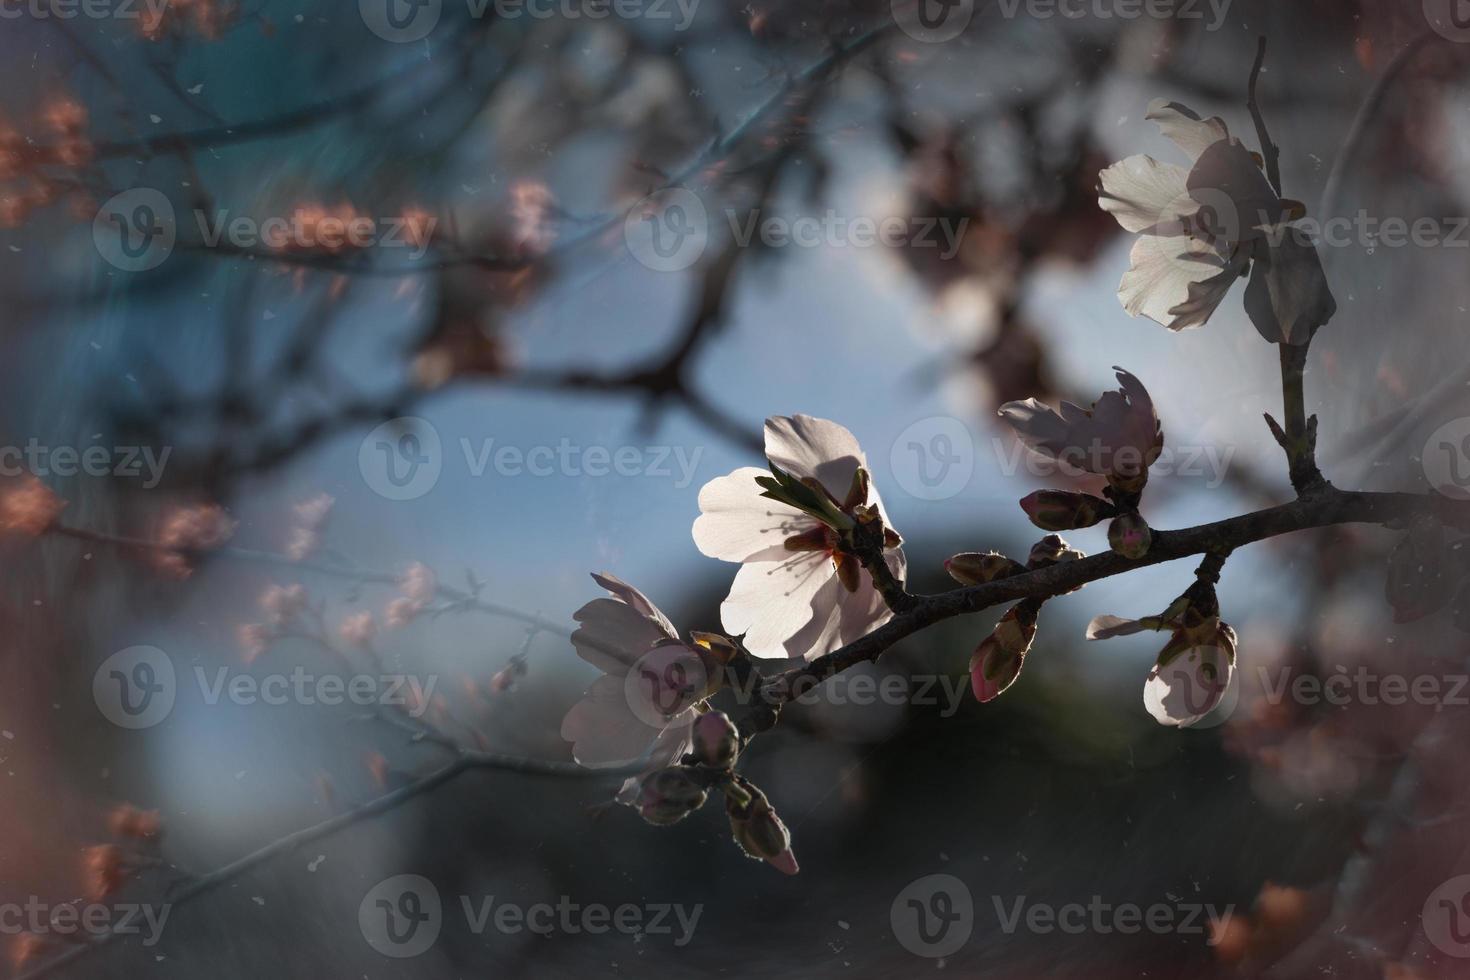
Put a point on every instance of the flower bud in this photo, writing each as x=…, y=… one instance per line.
x=1050, y=550
x=975, y=568
x=1129, y=535
x=716, y=740
x=668, y=796
x=997, y=661
x=1063, y=510
x=759, y=831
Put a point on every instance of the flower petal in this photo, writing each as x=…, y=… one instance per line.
x=603, y=729
x=1177, y=281
x=1107, y=627
x=1236, y=200
x=810, y=447
x=1146, y=195
x=770, y=601
x=1184, y=126
x=737, y=524
x=1288, y=297
x=616, y=632
x=1188, y=687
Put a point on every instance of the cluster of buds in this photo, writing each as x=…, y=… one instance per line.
x=1194, y=669
x=207, y=18
x=852, y=530
x=107, y=867
x=1118, y=438
x=25, y=160
x=188, y=532
x=28, y=506
x=996, y=662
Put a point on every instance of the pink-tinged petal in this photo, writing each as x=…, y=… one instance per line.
x=614, y=634
x=771, y=602
x=1145, y=195
x=785, y=862
x=818, y=448
x=737, y=524
x=1187, y=688
x=1226, y=181
x=635, y=599
x=1184, y=126
x=1177, y=281
x=671, y=745
x=603, y=729
x=1107, y=627
x=1288, y=297
x=1037, y=426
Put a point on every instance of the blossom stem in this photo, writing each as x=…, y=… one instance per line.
x=1327, y=507
x=1270, y=152
x=1299, y=436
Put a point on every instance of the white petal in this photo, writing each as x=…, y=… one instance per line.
x=1288, y=297
x=1107, y=627
x=603, y=729
x=1184, y=126
x=770, y=602
x=1144, y=194
x=636, y=599
x=1176, y=273
x=1189, y=687
x=817, y=448
x=613, y=634
x=737, y=524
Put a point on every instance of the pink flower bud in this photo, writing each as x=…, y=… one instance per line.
x=1051, y=550
x=1063, y=510
x=668, y=796
x=760, y=832
x=997, y=661
x=1129, y=535
x=716, y=740
x=975, y=568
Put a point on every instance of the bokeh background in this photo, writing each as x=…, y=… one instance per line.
x=532, y=320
